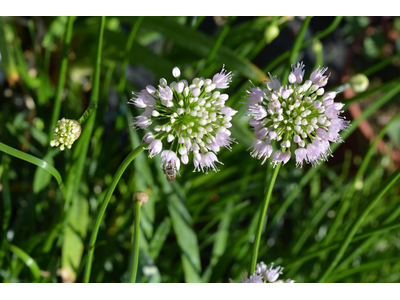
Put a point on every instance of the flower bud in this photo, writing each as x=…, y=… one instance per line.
x=359, y=83
x=176, y=72
x=141, y=197
x=66, y=132
x=271, y=33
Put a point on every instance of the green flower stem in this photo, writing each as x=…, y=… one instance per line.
x=103, y=208
x=261, y=219
x=375, y=199
x=354, y=125
x=135, y=242
x=296, y=48
x=63, y=74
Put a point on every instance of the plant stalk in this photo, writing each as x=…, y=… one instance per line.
x=135, y=242
x=261, y=219
x=103, y=208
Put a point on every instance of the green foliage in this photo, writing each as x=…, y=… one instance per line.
x=340, y=218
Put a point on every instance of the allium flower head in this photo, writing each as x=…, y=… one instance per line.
x=300, y=117
x=185, y=118
x=66, y=132
x=265, y=274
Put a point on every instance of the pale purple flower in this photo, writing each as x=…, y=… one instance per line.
x=253, y=279
x=297, y=74
x=300, y=117
x=265, y=274
x=154, y=148
x=318, y=77
x=227, y=111
x=190, y=119
x=222, y=79
x=176, y=72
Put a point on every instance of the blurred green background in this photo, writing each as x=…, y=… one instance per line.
x=201, y=227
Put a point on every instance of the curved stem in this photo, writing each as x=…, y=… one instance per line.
x=378, y=195
x=135, y=242
x=261, y=219
x=103, y=208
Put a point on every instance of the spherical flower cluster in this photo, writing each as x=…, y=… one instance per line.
x=299, y=116
x=66, y=132
x=263, y=274
x=184, y=118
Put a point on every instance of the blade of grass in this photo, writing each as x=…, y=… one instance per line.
x=28, y=260
x=356, y=181
x=371, y=234
x=375, y=199
x=33, y=160
x=200, y=44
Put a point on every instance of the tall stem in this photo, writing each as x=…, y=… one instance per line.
x=261, y=219
x=103, y=208
x=135, y=243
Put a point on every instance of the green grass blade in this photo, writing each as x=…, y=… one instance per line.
x=28, y=260
x=33, y=160
x=200, y=44
x=375, y=199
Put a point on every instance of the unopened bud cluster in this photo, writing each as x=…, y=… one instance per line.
x=66, y=132
x=300, y=116
x=185, y=118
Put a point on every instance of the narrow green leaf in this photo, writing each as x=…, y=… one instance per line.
x=33, y=160
x=201, y=44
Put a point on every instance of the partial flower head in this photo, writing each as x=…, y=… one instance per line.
x=300, y=117
x=188, y=119
x=265, y=274
x=66, y=132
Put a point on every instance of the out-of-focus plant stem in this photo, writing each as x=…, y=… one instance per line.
x=96, y=77
x=263, y=213
x=135, y=244
x=104, y=204
x=296, y=48
x=128, y=49
x=319, y=35
x=62, y=75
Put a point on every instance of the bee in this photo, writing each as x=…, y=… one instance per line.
x=170, y=171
